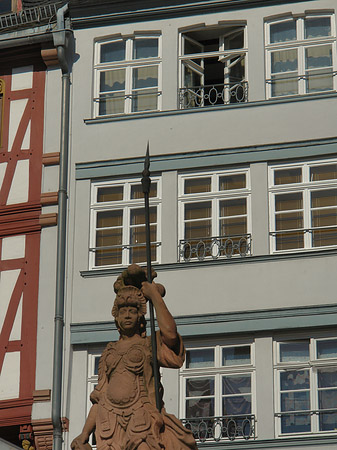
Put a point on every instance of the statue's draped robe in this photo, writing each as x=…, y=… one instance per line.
x=125, y=398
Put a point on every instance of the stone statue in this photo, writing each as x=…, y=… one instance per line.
x=124, y=414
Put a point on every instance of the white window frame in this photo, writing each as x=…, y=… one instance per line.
x=222, y=54
x=306, y=187
x=312, y=364
x=214, y=197
x=129, y=64
x=300, y=43
x=218, y=371
x=126, y=205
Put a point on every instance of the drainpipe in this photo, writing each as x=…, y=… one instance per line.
x=60, y=43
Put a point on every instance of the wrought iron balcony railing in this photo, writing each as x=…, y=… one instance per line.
x=215, y=247
x=213, y=94
x=221, y=428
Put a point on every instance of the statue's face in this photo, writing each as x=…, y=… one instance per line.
x=127, y=319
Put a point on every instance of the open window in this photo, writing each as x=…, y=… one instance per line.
x=213, y=66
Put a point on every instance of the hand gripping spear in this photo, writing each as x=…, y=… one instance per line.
x=146, y=184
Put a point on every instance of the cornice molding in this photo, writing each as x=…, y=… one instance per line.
x=92, y=14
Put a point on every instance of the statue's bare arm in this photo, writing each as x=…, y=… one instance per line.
x=166, y=323
x=89, y=427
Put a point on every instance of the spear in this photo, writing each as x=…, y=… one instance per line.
x=146, y=184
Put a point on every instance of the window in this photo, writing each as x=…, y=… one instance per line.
x=214, y=215
x=118, y=223
x=93, y=361
x=127, y=75
x=213, y=66
x=218, y=392
x=7, y=6
x=301, y=55
x=306, y=385
x=303, y=205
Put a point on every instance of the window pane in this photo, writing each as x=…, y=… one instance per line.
x=233, y=207
x=108, y=256
x=236, y=384
x=288, y=241
x=289, y=221
x=197, y=210
x=232, y=227
x=299, y=423
x=295, y=401
x=283, y=31
x=145, y=77
x=109, y=219
x=138, y=216
x=240, y=404
x=294, y=380
x=203, y=407
x=284, y=61
x=324, y=237
x=110, y=194
x=327, y=378
x=199, y=387
x=319, y=80
x=145, y=100
x=324, y=217
x=287, y=176
x=137, y=191
x=196, y=185
x=112, y=80
x=294, y=351
x=232, y=182
x=324, y=198
x=111, y=104
x=200, y=358
x=287, y=202
x=109, y=237
x=145, y=48
x=317, y=27
x=137, y=253
x=327, y=421
x=327, y=349
x=5, y=6
x=97, y=358
x=113, y=51
x=286, y=84
x=191, y=47
x=318, y=56
x=321, y=173
x=235, y=355
x=198, y=229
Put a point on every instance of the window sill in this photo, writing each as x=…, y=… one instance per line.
x=94, y=273
x=152, y=114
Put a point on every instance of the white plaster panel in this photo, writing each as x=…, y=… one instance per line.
x=10, y=376
x=3, y=167
x=26, y=139
x=16, y=330
x=7, y=282
x=17, y=108
x=13, y=247
x=19, y=190
x=22, y=78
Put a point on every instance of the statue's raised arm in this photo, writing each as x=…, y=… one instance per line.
x=124, y=414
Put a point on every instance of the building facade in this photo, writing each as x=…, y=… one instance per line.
x=238, y=102
x=30, y=87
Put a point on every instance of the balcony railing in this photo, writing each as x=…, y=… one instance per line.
x=213, y=95
x=29, y=16
x=221, y=428
x=215, y=247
